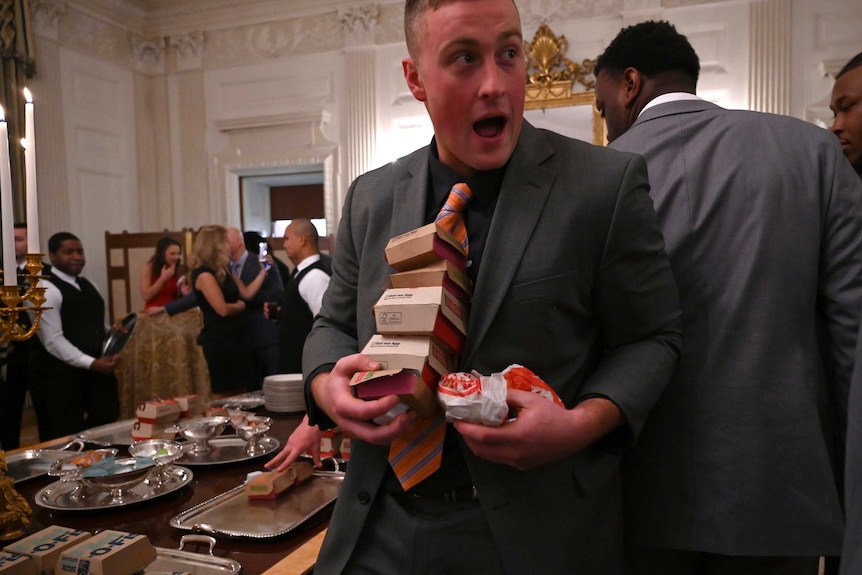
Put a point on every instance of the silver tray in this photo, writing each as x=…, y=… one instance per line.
x=227, y=449
x=117, y=433
x=248, y=400
x=119, y=337
x=233, y=514
x=34, y=463
x=58, y=494
x=170, y=560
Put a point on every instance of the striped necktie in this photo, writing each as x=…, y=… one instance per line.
x=419, y=452
x=451, y=216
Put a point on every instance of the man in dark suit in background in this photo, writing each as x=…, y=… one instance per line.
x=846, y=104
x=762, y=217
x=571, y=281
x=262, y=334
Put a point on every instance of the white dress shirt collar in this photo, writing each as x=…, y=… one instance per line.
x=670, y=97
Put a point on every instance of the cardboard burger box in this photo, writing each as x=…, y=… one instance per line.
x=190, y=405
x=440, y=273
x=44, y=547
x=108, y=553
x=159, y=411
x=407, y=384
x=142, y=430
x=17, y=564
x=416, y=352
x=423, y=311
x=422, y=246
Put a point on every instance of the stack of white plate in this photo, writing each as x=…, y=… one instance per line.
x=284, y=392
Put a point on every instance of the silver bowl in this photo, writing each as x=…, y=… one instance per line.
x=254, y=427
x=199, y=431
x=117, y=476
x=163, y=451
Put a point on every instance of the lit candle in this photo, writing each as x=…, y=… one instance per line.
x=30, y=166
x=6, y=218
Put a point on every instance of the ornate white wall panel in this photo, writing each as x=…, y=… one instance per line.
x=825, y=36
x=769, y=73
x=98, y=101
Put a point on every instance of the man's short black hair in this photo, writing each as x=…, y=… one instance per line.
x=19, y=225
x=58, y=238
x=854, y=63
x=651, y=48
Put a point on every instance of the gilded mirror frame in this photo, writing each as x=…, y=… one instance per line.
x=551, y=78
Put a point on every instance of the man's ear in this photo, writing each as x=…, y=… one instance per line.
x=632, y=86
x=411, y=76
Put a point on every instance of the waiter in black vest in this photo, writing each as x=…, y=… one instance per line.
x=303, y=294
x=72, y=387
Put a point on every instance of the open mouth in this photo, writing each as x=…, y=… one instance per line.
x=490, y=127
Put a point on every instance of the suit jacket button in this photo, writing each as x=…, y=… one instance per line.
x=364, y=497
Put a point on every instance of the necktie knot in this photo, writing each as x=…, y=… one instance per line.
x=451, y=216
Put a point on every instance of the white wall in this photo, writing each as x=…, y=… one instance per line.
x=100, y=155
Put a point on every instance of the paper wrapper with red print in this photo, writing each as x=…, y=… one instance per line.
x=482, y=398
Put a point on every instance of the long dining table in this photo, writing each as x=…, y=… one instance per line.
x=290, y=554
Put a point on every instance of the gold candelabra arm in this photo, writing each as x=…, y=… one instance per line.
x=13, y=298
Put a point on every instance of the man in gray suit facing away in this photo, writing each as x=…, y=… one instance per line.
x=570, y=280
x=762, y=216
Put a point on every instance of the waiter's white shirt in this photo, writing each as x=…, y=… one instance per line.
x=313, y=284
x=51, y=325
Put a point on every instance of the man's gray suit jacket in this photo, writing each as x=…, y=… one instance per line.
x=762, y=217
x=574, y=284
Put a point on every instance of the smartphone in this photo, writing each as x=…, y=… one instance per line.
x=264, y=251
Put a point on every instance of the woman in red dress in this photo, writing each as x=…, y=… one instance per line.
x=162, y=278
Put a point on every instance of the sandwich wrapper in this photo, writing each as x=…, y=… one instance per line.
x=44, y=547
x=481, y=398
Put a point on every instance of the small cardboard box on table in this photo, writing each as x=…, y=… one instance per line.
x=44, y=547
x=17, y=564
x=108, y=553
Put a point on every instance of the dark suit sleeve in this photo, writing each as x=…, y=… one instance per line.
x=181, y=304
x=637, y=305
x=334, y=333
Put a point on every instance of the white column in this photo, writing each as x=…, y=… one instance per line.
x=361, y=112
x=769, y=58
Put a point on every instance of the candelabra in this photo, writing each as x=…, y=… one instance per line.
x=13, y=298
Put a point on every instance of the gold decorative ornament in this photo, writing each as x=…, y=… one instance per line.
x=15, y=512
x=13, y=298
x=551, y=78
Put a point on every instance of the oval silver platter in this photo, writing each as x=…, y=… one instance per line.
x=233, y=514
x=58, y=494
x=117, y=433
x=33, y=463
x=227, y=449
x=249, y=400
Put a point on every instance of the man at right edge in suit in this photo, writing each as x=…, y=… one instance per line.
x=734, y=471
x=847, y=125
x=570, y=280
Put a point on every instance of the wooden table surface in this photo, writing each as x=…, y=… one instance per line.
x=152, y=518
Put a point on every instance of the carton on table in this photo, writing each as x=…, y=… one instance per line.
x=407, y=384
x=422, y=246
x=440, y=273
x=44, y=547
x=416, y=352
x=17, y=564
x=108, y=553
x=423, y=311
x=190, y=405
x=142, y=430
x=161, y=411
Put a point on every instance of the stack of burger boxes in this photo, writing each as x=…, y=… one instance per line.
x=56, y=550
x=154, y=416
x=421, y=320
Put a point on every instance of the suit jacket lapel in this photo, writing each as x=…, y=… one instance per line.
x=408, y=201
x=519, y=206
